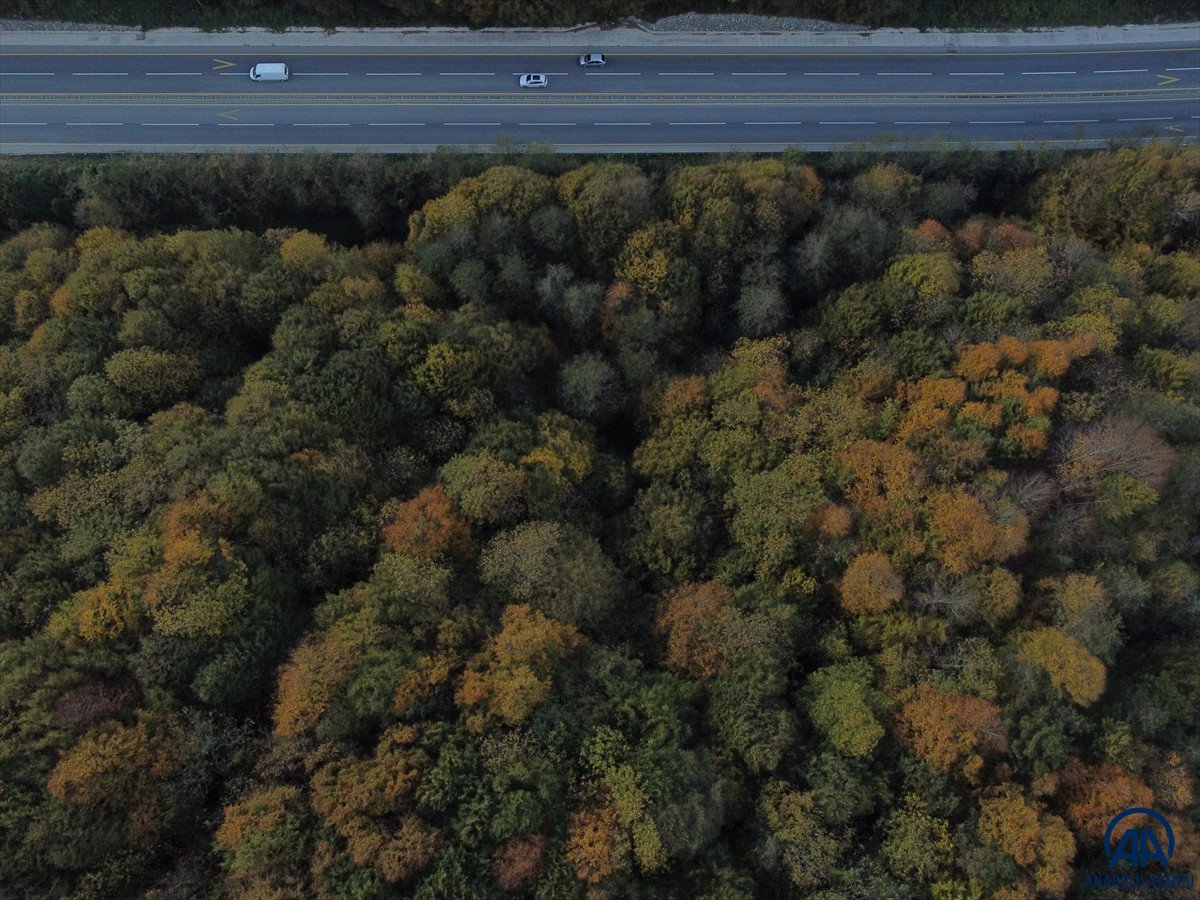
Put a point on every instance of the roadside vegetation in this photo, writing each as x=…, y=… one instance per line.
x=392, y=13
x=463, y=526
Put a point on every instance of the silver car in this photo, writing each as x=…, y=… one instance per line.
x=593, y=59
x=533, y=81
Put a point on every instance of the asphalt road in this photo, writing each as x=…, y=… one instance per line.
x=670, y=100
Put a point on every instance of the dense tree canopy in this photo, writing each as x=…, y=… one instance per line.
x=729, y=529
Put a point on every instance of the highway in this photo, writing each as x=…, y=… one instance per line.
x=645, y=99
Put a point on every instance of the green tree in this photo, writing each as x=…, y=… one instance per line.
x=558, y=569
x=843, y=706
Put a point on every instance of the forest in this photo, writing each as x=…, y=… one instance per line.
x=526, y=526
x=223, y=14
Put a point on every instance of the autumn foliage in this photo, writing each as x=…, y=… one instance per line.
x=590, y=844
x=518, y=862
x=429, y=526
x=514, y=673
x=871, y=585
x=693, y=620
x=716, y=528
x=953, y=732
x=1091, y=794
x=1067, y=661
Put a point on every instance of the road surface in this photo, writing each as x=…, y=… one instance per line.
x=677, y=99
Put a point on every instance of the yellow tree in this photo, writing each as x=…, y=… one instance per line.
x=870, y=585
x=1067, y=661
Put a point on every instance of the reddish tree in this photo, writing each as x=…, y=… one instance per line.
x=517, y=862
x=88, y=703
x=429, y=526
x=950, y=731
x=691, y=619
x=1090, y=795
x=966, y=536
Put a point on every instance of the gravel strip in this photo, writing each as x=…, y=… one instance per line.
x=740, y=22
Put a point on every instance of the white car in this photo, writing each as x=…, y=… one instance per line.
x=269, y=72
x=533, y=81
x=593, y=59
